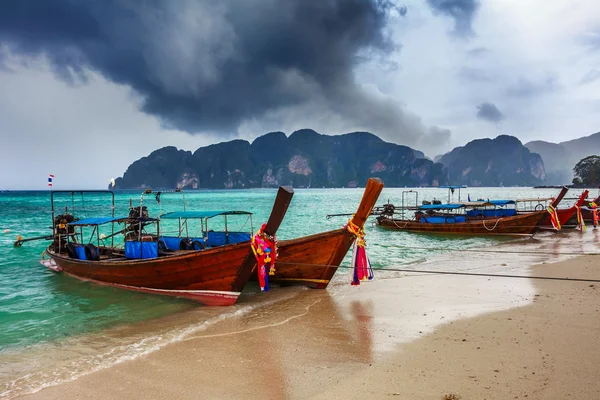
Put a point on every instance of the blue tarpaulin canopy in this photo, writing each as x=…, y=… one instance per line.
x=201, y=214
x=502, y=202
x=455, y=206
x=441, y=206
x=105, y=220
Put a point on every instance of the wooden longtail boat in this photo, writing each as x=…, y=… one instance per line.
x=517, y=225
x=213, y=276
x=586, y=213
x=564, y=214
x=313, y=260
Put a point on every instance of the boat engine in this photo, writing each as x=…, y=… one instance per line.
x=133, y=225
x=138, y=212
x=61, y=230
x=388, y=210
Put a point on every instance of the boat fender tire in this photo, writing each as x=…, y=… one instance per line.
x=162, y=246
x=70, y=247
x=423, y=219
x=185, y=244
x=92, y=253
x=198, y=245
x=450, y=220
x=541, y=207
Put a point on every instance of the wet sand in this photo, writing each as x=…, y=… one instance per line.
x=413, y=337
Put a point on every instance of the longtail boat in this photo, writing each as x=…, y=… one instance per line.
x=529, y=205
x=586, y=213
x=564, y=214
x=313, y=260
x=213, y=274
x=453, y=219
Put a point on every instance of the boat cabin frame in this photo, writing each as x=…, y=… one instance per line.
x=209, y=237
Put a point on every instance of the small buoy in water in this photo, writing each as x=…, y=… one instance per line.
x=103, y=236
x=7, y=231
x=19, y=237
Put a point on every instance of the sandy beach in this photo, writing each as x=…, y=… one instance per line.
x=413, y=337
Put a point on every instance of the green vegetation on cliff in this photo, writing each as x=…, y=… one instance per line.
x=502, y=161
x=587, y=172
x=304, y=159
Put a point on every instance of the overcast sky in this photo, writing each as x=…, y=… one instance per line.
x=86, y=88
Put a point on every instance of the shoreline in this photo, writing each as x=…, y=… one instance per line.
x=364, y=324
x=547, y=349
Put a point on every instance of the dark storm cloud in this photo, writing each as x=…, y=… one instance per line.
x=489, y=112
x=205, y=65
x=462, y=11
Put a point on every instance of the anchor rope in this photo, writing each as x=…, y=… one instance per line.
x=492, y=251
x=424, y=271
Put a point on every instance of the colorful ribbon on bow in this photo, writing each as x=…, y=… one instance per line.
x=580, y=221
x=554, y=217
x=363, y=270
x=594, y=210
x=264, y=247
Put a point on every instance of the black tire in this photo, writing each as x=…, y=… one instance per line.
x=162, y=246
x=70, y=247
x=185, y=244
x=541, y=207
x=198, y=245
x=92, y=253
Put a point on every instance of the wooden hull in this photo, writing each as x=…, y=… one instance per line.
x=217, y=276
x=588, y=218
x=518, y=225
x=311, y=260
x=211, y=277
x=564, y=215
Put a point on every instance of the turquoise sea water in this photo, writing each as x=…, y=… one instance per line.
x=41, y=308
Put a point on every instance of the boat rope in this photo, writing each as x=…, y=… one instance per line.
x=493, y=251
x=425, y=271
x=398, y=226
x=495, y=225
